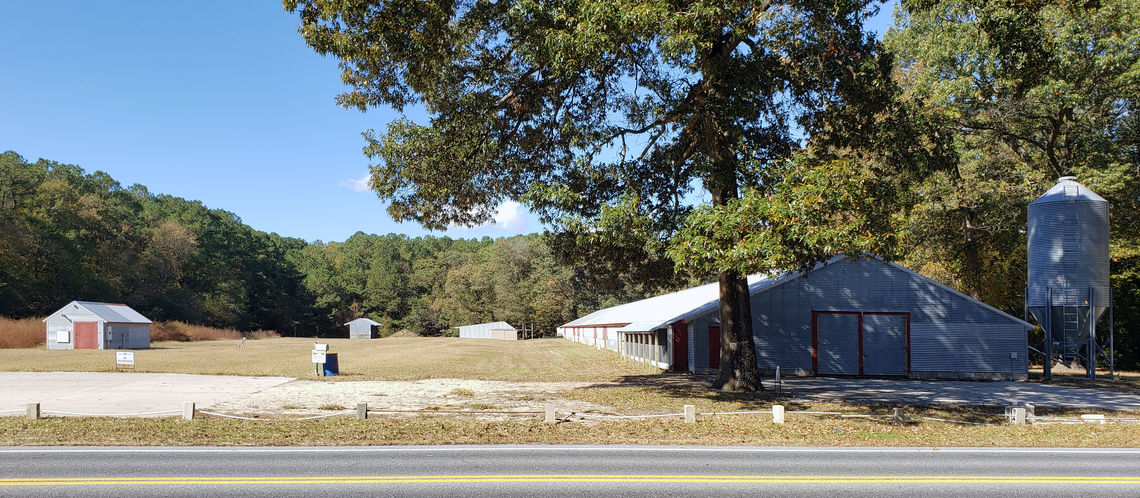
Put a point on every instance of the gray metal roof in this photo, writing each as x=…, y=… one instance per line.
x=373, y=323
x=108, y=312
x=489, y=326
x=688, y=304
x=1067, y=189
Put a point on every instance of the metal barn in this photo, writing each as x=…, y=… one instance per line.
x=652, y=330
x=858, y=317
x=363, y=328
x=502, y=331
x=92, y=325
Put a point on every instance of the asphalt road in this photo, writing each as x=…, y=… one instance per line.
x=566, y=470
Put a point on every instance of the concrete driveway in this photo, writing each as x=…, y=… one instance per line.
x=925, y=392
x=105, y=393
x=128, y=393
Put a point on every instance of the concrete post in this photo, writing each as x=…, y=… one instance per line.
x=899, y=417
x=550, y=418
x=188, y=411
x=33, y=411
x=777, y=414
x=1029, y=413
x=361, y=411
x=1019, y=416
x=690, y=414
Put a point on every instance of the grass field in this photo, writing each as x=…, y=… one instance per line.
x=392, y=358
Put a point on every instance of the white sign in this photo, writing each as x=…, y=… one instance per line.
x=124, y=358
x=320, y=347
x=318, y=356
x=62, y=336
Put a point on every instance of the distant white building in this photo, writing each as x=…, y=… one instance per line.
x=363, y=328
x=92, y=325
x=502, y=331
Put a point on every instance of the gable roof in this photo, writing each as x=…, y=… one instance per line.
x=489, y=326
x=108, y=312
x=371, y=322
x=657, y=312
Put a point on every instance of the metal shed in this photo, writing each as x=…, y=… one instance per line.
x=93, y=325
x=850, y=316
x=502, y=331
x=363, y=328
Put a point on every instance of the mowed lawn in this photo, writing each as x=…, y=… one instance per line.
x=393, y=358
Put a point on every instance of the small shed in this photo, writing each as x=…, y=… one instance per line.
x=93, y=325
x=502, y=331
x=363, y=328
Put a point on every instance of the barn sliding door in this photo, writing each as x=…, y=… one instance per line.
x=836, y=343
x=860, y=343
x=884, y=344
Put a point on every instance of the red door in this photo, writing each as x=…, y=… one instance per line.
x=714, y=346
x=681, y=347
x=86, y=335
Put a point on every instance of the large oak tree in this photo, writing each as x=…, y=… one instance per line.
x=602, y=116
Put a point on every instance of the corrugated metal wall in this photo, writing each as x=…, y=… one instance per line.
x=950, y=335
x=126, y=336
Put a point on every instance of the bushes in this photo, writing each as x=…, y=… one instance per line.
x=185, y=332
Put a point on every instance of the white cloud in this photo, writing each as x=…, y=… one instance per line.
x=508, y=216
x=357, y=184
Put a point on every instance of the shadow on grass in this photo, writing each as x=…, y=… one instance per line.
x=692, y=388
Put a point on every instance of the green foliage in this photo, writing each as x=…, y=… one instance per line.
x=814, y=211
x=72, y=235
x=1026, y=93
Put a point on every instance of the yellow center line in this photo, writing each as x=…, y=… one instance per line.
x=87, y=481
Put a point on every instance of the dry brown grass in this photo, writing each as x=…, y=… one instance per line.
x=21, y=333
x=800, y=430
x=392, y=358
x=1127, y=382
x=185, y=332
x=29, y=333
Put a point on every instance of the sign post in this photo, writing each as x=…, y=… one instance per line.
x=124, y=359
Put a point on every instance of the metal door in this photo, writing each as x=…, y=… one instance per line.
x=681, y=347
x=86, y=335
x=836, y=343
x=884, y=344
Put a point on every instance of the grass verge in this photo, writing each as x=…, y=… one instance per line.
x=800, y=430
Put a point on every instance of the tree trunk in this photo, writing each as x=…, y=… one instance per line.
x=738, y=369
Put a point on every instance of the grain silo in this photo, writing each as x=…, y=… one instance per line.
x=1068, y=287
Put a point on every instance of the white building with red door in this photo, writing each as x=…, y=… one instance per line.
x=92, y=325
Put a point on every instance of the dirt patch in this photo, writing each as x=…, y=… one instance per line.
x=302, y=397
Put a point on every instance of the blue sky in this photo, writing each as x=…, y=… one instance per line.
x=217, y=101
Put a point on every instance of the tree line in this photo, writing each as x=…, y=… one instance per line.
x=66, y=234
